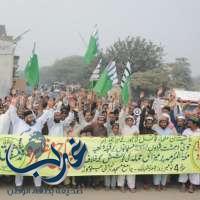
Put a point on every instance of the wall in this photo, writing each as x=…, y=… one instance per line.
x=6, y=66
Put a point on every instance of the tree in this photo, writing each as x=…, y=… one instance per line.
x=150, y=80
x=181, y=74
x=170, y=75
x=142, y=54
x=68, y=70
x=196, y=83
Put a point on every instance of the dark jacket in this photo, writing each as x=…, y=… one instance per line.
x=96, y=130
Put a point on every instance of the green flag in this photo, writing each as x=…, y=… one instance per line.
x=92, y=48
x=125, y=93
x=106, y=81
x=125, y=84
x=91, y=85
x=32, y=71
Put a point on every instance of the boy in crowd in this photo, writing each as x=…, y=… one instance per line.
x=111, y=181
x=162, y=129
x=128, y=129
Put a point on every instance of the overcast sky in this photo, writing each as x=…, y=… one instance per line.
x=56, y=24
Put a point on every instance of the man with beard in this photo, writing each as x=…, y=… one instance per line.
x=162, y=129
x=111, y=120
x=97, y=129
x=193, y=179
x=56, y=124
x=146, y=127
x=26, y=127
x=128, y=129
x=87, y=117
x=180, y=124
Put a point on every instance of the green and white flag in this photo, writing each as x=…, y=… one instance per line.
x=107, y=79
x=93, y=47
x=95, y=75
x=32, y=70
x=125, y=84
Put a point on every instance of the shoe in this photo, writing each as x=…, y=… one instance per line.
x=132, y=190
x=107, y=188
x=183, y=188
x=191, y=189
x=19, y=187
x=146, y=187
x=158, y=188
x=122, y=189
x=163, y=187
x=93, y=186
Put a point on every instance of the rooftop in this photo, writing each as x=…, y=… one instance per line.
x=3, y=34
x=3, y=31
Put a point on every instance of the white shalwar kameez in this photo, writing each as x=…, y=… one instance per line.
x=57, y=129
x=161, y=179
x=20, y=127
x=193, y=178
x=126, y=131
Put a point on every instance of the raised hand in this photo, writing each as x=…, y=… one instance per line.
x=14, y=101
x=160, y=91
x=72, y=104
x=51, y=103
x=141, y=94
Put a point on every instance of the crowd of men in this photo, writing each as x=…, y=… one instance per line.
x=82, y=113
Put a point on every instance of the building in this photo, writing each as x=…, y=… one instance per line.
x=8, y=61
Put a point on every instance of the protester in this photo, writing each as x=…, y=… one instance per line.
x=180, y=124
x=194, y=179
x=84, y=181
x=28, y=126
x=146, y=127
x=56, y=124
x=128, y=129
x=98, y=130
x=82, y=114
x=111, y=181
x=162, y=129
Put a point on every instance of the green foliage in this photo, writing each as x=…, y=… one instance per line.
x=196, y=83
x=181, y=74
x=150, y=80
x=69, y=70
x=142, y=54
x=171, y=75
x=146, y=61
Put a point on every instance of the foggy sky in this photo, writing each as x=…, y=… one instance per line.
x=56, y=25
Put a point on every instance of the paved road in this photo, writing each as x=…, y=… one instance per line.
x=9, y=192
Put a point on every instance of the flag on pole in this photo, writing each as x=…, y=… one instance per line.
x=92, y=48
x=32, y=70
x=95, y=75
x=107, y=79
x=125, y=84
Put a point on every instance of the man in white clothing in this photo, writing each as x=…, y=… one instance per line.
x=26, y=127
x=194, y=179
x=162, y=129
x=128, y=129
x=87, y=117
x=56, y=125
